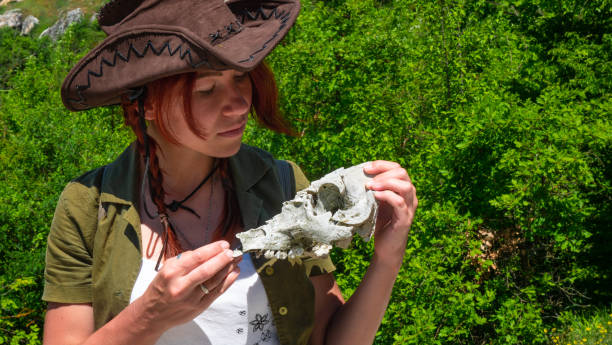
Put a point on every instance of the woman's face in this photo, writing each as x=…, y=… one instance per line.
x=220, y=104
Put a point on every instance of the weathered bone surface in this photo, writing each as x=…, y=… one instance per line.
x=325, y=214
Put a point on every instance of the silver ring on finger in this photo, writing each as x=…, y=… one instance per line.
x=204, y=289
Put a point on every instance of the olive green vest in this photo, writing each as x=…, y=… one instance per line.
x=94, y=245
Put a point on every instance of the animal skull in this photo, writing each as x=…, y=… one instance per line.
x=325, y=214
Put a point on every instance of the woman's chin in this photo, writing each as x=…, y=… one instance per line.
x=226, y=151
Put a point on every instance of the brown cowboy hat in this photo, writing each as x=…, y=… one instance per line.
x=151, y=39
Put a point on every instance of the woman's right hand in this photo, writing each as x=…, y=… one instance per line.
x=175, y=296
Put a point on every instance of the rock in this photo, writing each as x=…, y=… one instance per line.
x=28, y=24
x=58, y=29
x=12, y=19
x=6, y=2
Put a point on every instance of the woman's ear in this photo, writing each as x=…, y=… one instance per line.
x=148, y=108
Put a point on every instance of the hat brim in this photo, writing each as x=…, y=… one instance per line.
x=132, y=58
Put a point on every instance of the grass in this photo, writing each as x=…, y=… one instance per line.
x=590, y=329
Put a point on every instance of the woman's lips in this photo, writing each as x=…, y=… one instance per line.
x=233, y=132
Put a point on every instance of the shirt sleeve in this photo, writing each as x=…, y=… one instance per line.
x=314, y=266
x=68, y=259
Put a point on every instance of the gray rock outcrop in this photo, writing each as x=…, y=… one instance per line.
x=11, y=19
x=28, y=24
x=14, y=20
x=56, y=30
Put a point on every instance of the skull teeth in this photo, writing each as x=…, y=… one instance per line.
x=296, y=252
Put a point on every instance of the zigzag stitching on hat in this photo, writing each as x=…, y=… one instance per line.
x=260, y=12
x=104, y=61
x=284, y=19
x=218, y=37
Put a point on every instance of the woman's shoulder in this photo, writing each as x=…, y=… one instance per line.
x=89, y=181
x=118, y=172
x=83, y=190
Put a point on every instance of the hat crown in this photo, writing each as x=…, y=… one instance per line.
x=202, y=17
x=114, y=11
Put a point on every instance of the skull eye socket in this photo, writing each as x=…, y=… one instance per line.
x=329, y=198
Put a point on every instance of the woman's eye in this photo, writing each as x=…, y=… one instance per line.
x=207, y=91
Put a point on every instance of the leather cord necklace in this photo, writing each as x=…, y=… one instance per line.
x=175, y=205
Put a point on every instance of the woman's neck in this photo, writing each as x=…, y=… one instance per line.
x=183, y=169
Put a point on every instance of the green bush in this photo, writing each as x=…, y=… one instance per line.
x=43, y=146
x=501, y=114
x=500, y=111
x=15, y=50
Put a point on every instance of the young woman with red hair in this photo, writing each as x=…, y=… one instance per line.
x=139, y=251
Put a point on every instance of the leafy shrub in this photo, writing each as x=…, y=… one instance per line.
x=15, y=50
x=504, y=126
x=43, y=146
x=500, y=111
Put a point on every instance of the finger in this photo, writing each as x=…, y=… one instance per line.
x=395, y=201
x=403, y=210
x=209, y=268
x=228, y=281
x=397, y=173
x=191, y=259
x=218, y=278
x=379, y=166
x=404, y=188
x=213, y=293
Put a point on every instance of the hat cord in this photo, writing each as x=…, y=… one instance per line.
x=140, y=95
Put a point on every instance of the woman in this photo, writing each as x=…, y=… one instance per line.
x=139, y=251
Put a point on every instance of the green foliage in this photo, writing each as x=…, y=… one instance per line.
x=15, y=50
x=13, y=310
x=501, y=114
x=43, y=146
x=500, y=111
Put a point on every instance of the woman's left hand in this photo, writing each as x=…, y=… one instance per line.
x=397, y=204
x=357, y=320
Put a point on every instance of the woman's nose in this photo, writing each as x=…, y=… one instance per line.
x=238, y=99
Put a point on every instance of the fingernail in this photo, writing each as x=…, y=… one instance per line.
x=224, y=244
x=368, y=165
x=229, y=253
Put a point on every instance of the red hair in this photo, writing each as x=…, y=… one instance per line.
x=162, y=95
x=163, y=92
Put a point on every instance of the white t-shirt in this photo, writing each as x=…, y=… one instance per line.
x=241, y=315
